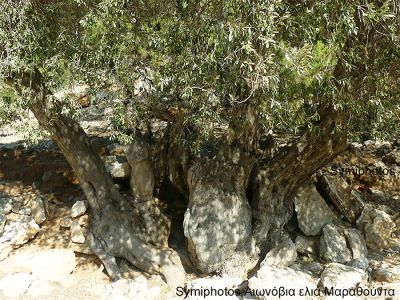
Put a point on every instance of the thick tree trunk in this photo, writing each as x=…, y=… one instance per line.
x=115, y=228
x=218, y=221
x=223, y=227
x=142, y=182
x=276, y=179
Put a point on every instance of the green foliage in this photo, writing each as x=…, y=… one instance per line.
x=284, y=58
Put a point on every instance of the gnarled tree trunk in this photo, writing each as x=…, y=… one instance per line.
x=218, y=221
x=226, y=231
x=115, y=230
x=276, y=179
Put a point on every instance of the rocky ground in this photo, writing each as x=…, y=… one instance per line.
x=353, y=248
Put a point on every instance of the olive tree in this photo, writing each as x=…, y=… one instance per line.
x=227, y=76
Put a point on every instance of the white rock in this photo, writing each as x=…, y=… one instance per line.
x=393, y=157
x=98, y=291
x=39, y=289
x=356, y=243
x=19, y=231
x=282, y=255
x=275, y=277
x=38, y=211
x=369, y=145
x=389, y=274
x=137, y=289
x=79, y=208
x=5, y=204
x=333, y=246
x=358, y=248
x=65, y=222
x=377, y=226
x=312, y=268
x=15, y=285
x=117, y=166
x=340, y=276
x=356, y=145
x=51, y=265
x=312, y=211
x=117, y=295
x=140, y=286
x=5, y=250
x=27, y=211
x=77, y=235
x=75, y=92
x=306, y=245
x=3, y=220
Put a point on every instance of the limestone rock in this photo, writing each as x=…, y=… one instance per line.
x=333, y=247
x=312, y=211
x=360, y=263
x=377, y=226
x=341, y=277
x=376, y=193
x=274, y=277
x=137, y=151
x=355, y=145
x=384, y=148
x=27, y=211
x=40, y=289
x=3, y=220
x=387, y=274
x=65, y=222
x=141, y=289
x=392, y=158
x=83, y=220
x=38, y=211
x=174, y=273
x=18, y=206
x=5, y=250
x=358, y=248
x=5, y=204
x=312, y=268
x=51, y=265
x=19, y=231
x=369, y=144
x=283, y=255
x=240, y=262
x=306, y=245
x=117, y=166
x=15, y=285
x=79, y=208
x=77, y=235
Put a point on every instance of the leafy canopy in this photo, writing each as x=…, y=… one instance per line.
x=204, y=58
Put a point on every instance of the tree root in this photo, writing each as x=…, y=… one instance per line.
x=118, y=241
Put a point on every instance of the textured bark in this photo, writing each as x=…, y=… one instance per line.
x=115, y=227
x=346, y=200
x=218, y=220
x=275, y=179
x=142, y=181
x=178, y=158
